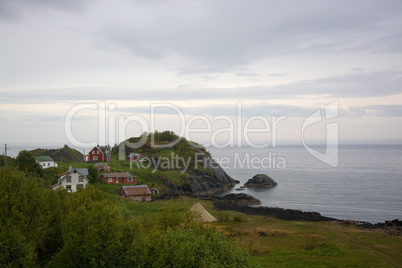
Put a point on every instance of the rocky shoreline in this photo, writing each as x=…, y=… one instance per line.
x=243, y=203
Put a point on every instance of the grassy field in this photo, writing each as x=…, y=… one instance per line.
x=309, y=244
x=291, y=243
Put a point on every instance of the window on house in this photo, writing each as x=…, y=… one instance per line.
x=69, y=179
x=48, y=164
x=44, y=164
x=130, y=179
x=95, y=158
x=80, y=186
x=110, y=179
x=68, y=187
x=80, y=179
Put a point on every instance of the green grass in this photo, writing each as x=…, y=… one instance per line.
x=312, y=244
x=288, y=243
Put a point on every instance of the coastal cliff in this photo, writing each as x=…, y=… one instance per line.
x=209, y=181
x=181, y=166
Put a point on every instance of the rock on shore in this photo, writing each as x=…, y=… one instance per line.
x=212, y=180
x=260, y=181
x=279, y=213
x=237, y=200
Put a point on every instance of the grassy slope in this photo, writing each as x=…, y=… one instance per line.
x=310, y=244
x=289, y=243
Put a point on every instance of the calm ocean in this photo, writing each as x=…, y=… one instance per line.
x=366, y=185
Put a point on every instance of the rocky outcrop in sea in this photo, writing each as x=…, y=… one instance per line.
x=260, y=181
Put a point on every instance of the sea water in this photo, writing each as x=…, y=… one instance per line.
x=366, y=185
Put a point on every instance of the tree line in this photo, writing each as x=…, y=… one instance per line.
x=42, y=227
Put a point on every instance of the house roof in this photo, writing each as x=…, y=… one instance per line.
x=44, y=158
x=136, y=190
x=83, y=171
x=103, y=148
x=117, y=175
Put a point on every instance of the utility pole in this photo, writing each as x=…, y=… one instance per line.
x=5, y=156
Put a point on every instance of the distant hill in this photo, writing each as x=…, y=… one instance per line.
x=10, y=161
x=65, y=154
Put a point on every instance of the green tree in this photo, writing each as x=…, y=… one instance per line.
x=93, y=174
x=27, y=163
x=91, y=236
x=29, y=220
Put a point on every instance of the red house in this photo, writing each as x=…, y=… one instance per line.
x=99, y=154
x=117, y=177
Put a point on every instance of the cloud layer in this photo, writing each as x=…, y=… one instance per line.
x=276, y=57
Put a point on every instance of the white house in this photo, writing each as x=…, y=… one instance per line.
x=72, y=179
x=45, y=161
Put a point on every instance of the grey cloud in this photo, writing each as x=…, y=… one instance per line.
x=355, y=85
x=223, y=35
x=377, y=110
x=247, y=74
x=231, y=110
x=391, y=43
x=268, y=110
x=14, y=10
x=8, y=12
x=277, y=75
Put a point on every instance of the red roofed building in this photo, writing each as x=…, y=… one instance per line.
x=102, y=167
x=99, y=154
x=136, y=193
x=117, y=177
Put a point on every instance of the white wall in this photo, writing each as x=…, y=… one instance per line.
x=47, y=164
x=74, y=181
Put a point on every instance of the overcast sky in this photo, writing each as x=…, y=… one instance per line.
x=271, y=58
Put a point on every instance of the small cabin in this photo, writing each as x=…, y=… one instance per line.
x=102, y=167
x=136, y=193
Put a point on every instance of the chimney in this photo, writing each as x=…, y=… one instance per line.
x=70, y=168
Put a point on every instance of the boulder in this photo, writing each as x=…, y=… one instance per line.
x=260, y=181
x=238, y=200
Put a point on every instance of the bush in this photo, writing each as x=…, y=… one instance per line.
x=42, y=227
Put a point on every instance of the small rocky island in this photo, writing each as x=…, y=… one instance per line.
x=260, y=181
